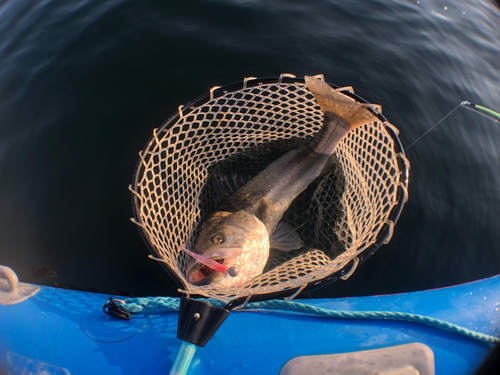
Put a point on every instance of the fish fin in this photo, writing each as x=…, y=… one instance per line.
x=285, y=238
x=328, y=164
x=335, y=104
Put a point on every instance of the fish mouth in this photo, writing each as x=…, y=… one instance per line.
x=199, y=274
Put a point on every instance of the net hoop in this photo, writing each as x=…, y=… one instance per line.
x=157, y=184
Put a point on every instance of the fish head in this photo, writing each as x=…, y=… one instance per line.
x=237, y=240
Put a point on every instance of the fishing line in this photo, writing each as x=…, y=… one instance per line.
x=439, y=122
x=495, y=116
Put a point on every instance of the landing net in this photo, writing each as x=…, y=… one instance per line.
x=235, y=132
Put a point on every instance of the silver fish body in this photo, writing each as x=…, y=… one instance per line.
x=240, y=231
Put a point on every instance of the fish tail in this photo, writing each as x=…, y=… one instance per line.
x=336, y=105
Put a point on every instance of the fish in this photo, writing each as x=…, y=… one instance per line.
x=245, y=226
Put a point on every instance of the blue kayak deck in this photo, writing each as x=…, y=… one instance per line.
x=62, y=331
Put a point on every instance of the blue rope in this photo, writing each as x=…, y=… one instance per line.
x=134, y=305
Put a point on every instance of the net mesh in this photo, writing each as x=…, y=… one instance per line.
x=236, y=135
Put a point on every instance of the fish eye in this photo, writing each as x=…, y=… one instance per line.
x=217, y=239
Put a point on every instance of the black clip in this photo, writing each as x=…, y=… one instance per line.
x=114, y=309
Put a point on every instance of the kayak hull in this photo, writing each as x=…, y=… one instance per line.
x=66, y=332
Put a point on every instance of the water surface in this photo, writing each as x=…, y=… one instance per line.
x=83, y=83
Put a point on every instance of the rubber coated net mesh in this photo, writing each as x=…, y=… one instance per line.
x=236, y=134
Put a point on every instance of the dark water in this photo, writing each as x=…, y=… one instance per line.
x=83, y=83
